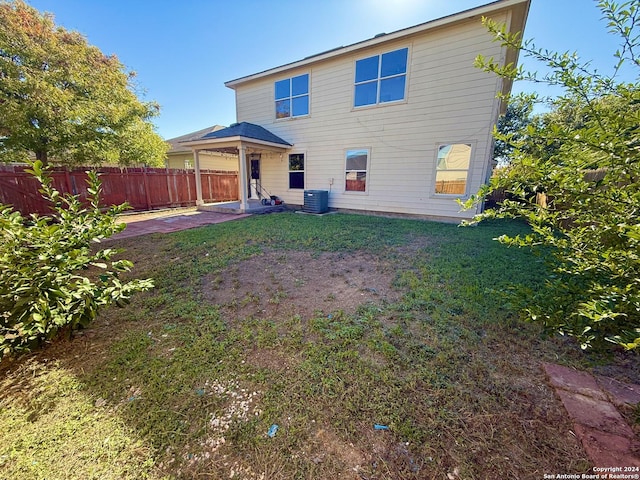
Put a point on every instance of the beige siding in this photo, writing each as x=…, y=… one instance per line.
x=208, y=161
x=448, y=100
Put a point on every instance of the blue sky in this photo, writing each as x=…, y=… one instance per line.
x=184, y=51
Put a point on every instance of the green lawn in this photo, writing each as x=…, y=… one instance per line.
x=177, y=385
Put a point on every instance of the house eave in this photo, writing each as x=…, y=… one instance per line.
x=225, y=142
x=482, y=10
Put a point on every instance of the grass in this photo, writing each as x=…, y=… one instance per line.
x=175, y=386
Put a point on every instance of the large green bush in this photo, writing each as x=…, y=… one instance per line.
x=574, y=175
x=52, y=276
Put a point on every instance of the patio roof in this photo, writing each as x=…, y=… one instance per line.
x=248, y=130
x=229, y=138
x=240, y=138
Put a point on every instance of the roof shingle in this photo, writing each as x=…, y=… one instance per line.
x=248, y=130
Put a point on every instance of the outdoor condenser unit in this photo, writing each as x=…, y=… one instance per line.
x=316, y=201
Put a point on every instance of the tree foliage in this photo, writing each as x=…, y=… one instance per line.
x=574, y=176
x=511, y=128
x=64, y=100
x=42, y=259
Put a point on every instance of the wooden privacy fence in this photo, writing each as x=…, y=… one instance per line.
x=499, y=195
x=142, y=188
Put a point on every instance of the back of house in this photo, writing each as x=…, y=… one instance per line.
x=399, y=123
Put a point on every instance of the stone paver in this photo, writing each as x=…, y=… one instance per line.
x=620, y=393
x=610, y=450
x=573, y=381
x=597, y=414
x=603, y=432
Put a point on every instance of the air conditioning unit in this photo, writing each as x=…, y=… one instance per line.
x=316, y=201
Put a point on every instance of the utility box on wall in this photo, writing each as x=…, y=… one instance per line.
x=316, y=201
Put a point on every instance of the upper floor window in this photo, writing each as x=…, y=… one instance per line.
x=381, y=78
x=292, y=96
x=452, y=168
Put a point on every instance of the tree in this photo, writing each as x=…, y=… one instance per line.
x=510, y=128
x=64, y=100
x=575, y=177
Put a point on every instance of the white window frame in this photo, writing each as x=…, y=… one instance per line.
x=472, y=146
x=378, y=80
x=304, y=171
x=366, y=172
x=291, y=97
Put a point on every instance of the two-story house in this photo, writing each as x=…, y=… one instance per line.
x=400, y=123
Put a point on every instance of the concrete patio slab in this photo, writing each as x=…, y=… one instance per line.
x=168, y=222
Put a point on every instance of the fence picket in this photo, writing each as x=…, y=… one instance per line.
x=142, y=188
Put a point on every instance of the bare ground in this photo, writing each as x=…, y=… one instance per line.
x=301, y=283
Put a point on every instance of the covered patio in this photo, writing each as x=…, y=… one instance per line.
x=243, y=139
x=253, y=206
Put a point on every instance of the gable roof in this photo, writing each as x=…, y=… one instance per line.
x=517, y=24
x=176, y=142
x=246, y=130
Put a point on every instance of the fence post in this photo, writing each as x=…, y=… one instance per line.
x=189, y=189
x=169, y=189
x=67, y=179
x=147, y=194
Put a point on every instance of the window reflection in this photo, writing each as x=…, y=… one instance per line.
x=394, y=63
x=452, y=168
x=296, y=170
x=283, y=88
x=392, y=89
x=367, y=69
x=356, y=170
x=283, y=109
x=300, y=85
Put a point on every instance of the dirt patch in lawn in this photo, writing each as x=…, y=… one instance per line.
x=301, y=283
x=324, y=445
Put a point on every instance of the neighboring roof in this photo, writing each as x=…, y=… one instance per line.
x=517, y=25
x=176, y=143
x=247, y=130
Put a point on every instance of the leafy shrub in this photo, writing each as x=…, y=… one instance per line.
x=41, y=289
x=574, y=175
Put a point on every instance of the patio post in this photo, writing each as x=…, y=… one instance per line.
x=196, y=162
x=242, y=159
